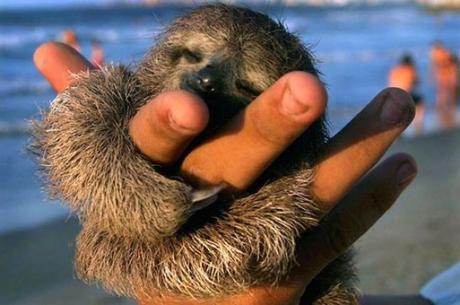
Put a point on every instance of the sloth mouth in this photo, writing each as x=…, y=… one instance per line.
x=222, y=108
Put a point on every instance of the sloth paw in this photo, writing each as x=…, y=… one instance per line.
x=90, y=162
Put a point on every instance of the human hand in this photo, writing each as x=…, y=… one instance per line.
x=174, y=119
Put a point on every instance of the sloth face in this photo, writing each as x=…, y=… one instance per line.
x=228, y=59
x=216, y=71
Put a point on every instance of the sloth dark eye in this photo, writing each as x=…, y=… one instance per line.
x=246, y=88
x=192, y=57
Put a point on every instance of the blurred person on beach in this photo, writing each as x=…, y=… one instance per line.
x=69, y=37
x=404, y=75
x=444, y=72
x=354, y=195
x=456, y=62
x=97, y=53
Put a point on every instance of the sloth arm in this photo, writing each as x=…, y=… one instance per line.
x=163, y=122
x=347, y=158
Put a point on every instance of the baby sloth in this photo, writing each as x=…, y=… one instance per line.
x=141, y=234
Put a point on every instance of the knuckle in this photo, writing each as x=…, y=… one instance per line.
x=336, y=238
x=377, y=202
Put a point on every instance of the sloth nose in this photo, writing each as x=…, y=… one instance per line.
x=206, y=83
x=205, y=80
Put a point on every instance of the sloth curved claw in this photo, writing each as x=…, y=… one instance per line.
x=202, y=198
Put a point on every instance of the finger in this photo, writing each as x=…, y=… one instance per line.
x=355, y=214
x=164, y=127
x=259, y=134
x=354, y=150
x=57, y=62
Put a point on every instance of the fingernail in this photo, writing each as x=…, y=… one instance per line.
x=406, y=173
x=290, y=105
x=174, y=125
x=394, y=110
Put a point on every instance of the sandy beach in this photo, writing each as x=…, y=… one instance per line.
x=417, y=239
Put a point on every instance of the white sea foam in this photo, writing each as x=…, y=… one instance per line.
x=20, y=86
x=13, y=128
x=14, y=37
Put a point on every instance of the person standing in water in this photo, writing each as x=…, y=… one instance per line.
x=69, y=37
x=445, y=75
x=97, y=53
x=404, y=75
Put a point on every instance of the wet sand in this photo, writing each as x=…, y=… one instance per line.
x=415, y=240
x=419, y=236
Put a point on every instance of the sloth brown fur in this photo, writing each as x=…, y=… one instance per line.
x=139, y=235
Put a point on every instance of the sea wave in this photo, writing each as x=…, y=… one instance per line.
x=23, y=37
x=56, y=4
x=22, y=86
x=361, y=56
x=19, y=37
x=14, y=128
x=328, y=3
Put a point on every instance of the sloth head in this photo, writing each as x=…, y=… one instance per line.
x=227, y=59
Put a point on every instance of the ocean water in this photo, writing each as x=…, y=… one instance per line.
x=356, y=45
